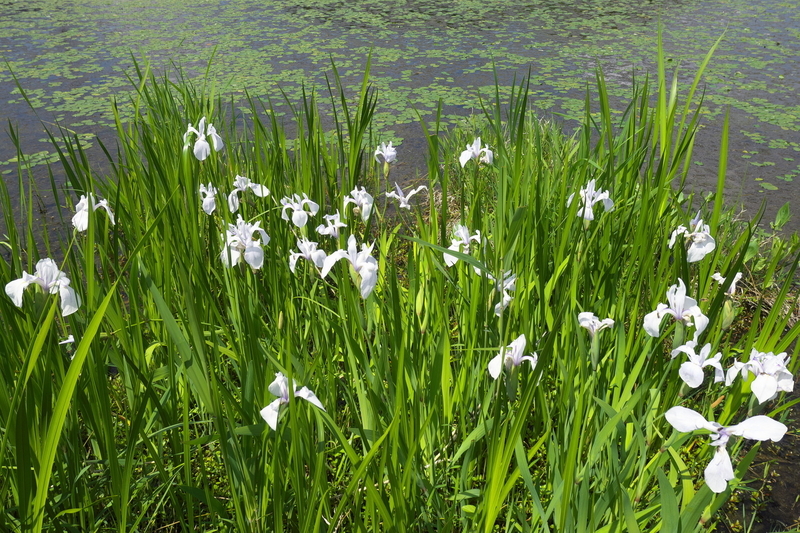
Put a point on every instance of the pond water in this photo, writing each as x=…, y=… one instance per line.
x=71, y=58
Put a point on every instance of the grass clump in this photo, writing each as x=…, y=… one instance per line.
x=404, y=427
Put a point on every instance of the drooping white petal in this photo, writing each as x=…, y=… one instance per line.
x=488, y=155
x=215, y=138
x=586, y=212
x=504, y=302
x=652, y=321
x=702, y=245
x=331, y=260
x=691, y=374
x=254, y=256
x=679, y=231
x=233, y=201
x=16, y=288
x=759, y=427
x=230, y=256
x=299, y=218
x=496, y=366
x=309, y=396
x=451, y=260
x=201, y=148
x=719, y=471
x=270, y=414
x=70, y=301
x=259, y=190
x=279, y=386
x=80, y=220
x=685, y=419
x=369, y=278
x=765, y=387
x=785, y=381
x=104, y=204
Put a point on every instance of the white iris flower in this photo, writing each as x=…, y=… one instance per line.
x=460, y=243
x=363, y=202
x=589, y=196
x=240, y=244
x=300, y=213
x=474, y=151
x=511, y=357
x=280, y=388
x=52, y=280
x=209, y=193
x=241, y=184
x=772, y=375
x=701, y=243
x=503, y=286
x=720, y=470
x=592, y=323
x=201, y=147
x=86, y=203
x=309, y=252
x=691, y=372
x=402, y=197
x=681, y=307
x=331, y=226
x=362, y=262
x=732, y=289
x=387, y=151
